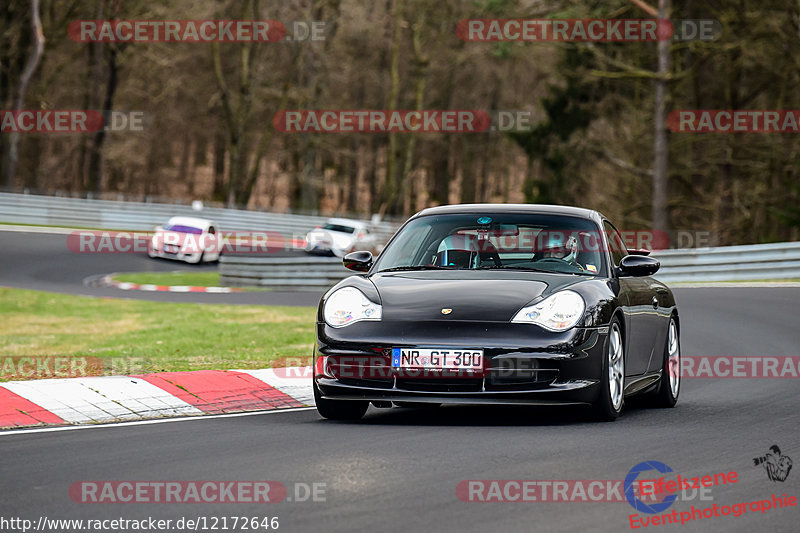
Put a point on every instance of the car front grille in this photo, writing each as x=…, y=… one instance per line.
x=372, y=383
x=375, y=371
x=441, y=385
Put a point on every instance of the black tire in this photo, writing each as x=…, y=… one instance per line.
x=339, y=409
x=417, y=405
x=663, y=396
x=199, y=259
x=605, y=408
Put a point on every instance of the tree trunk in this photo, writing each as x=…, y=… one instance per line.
x=421, y=62
x=96, y=155
x=11, y=148
x=660, y=143
x=391, y=187
x=219, y=165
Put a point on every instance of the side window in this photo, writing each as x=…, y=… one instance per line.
x=211, y=230
x=403, y=250
x=615, y=242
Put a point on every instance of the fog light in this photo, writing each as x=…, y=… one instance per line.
x=321, y=368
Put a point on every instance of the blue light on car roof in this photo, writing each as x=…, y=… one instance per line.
x=484, y=220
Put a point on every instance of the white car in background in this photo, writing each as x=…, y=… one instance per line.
x=189, y=239
x=340, y=236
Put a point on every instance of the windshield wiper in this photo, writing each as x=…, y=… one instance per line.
x=418, y=267
x=533, y=269
x=515, y=267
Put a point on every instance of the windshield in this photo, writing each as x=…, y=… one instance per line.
x=180, y=228
x=339, y=227
x=512, y=241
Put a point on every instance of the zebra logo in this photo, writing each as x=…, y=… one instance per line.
x=776, y=464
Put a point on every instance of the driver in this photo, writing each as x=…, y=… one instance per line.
x=460, y=251
x=558, y=245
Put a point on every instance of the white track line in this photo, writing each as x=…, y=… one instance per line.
x=148, y=422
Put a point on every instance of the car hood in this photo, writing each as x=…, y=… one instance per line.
x=177, y=237
x=336, y=238
x=493, y=296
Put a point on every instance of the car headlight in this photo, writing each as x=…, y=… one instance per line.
x=349, y=305
x=558, y=312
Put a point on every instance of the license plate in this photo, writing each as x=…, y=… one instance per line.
x=437, y=358
x=171, y=248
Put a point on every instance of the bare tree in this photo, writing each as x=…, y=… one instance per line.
x=12, y=154
x=660, y=143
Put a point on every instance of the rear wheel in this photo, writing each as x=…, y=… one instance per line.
x=669, y=386
x=608, y=405
x=339, y=409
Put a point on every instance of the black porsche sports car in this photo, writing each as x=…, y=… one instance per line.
x=498, y=304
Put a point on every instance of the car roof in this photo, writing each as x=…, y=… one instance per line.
x=346, y=222
x=547, y=209
x=194, y=222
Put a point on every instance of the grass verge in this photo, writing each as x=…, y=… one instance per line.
x=150, y=336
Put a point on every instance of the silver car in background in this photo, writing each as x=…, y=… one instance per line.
x=339, y=236
x=189, y=239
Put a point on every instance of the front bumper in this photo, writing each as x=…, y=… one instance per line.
x=178, y=255
x=523, y=364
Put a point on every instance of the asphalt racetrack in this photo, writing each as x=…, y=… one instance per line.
x=398, y=469
x=43, y=261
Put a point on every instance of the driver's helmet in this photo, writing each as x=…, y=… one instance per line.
x=560, y=246
x=460, y=251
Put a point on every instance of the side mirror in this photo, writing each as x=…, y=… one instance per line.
x=358, y=261
x=637, y=265
x=640, y=251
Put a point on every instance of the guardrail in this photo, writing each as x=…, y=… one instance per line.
x=143, y=216
x=731, y=263
x=752, y=262
x=292, y=273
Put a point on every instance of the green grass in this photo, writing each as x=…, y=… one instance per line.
x=178, y=277
x=151, y=336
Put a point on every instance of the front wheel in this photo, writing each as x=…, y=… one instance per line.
x=669, y=386
x=339, y=409
x=608, y=405
x=199, y=259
